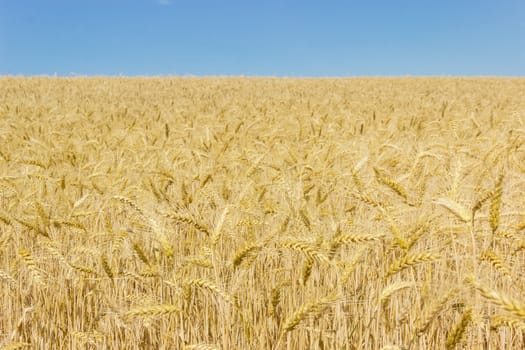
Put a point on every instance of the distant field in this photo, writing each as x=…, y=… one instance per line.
x=258, y=213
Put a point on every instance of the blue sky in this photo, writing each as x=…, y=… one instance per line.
x=262, y=38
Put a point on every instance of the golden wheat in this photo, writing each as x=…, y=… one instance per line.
x=224, y=213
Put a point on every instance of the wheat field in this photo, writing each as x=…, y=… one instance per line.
x=262, y=213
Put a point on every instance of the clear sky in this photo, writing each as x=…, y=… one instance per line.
x=263, y=37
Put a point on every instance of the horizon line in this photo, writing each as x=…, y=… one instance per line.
x=226, y=76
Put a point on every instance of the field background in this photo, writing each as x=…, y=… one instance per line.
x=260, y=213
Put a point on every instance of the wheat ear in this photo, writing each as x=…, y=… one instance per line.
x=393, y=347
x=394, y=287
x=107, y=269
x=210, y=286
x=152, y=311
x=29, y=261
x=310, y=309
x=515, y=307
x=244, y=252
x=88, y=337
x=307, y=249
x=307, y=270
x=506, y=321
x=495, y=206
x=15, y=346
x=455, y=208
x=393, y=185
x=457, y=333
x=201, y=347
x=410, y=260
x=6, y=277
x=355, y=238
x=432, y=312
x=498, y=263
